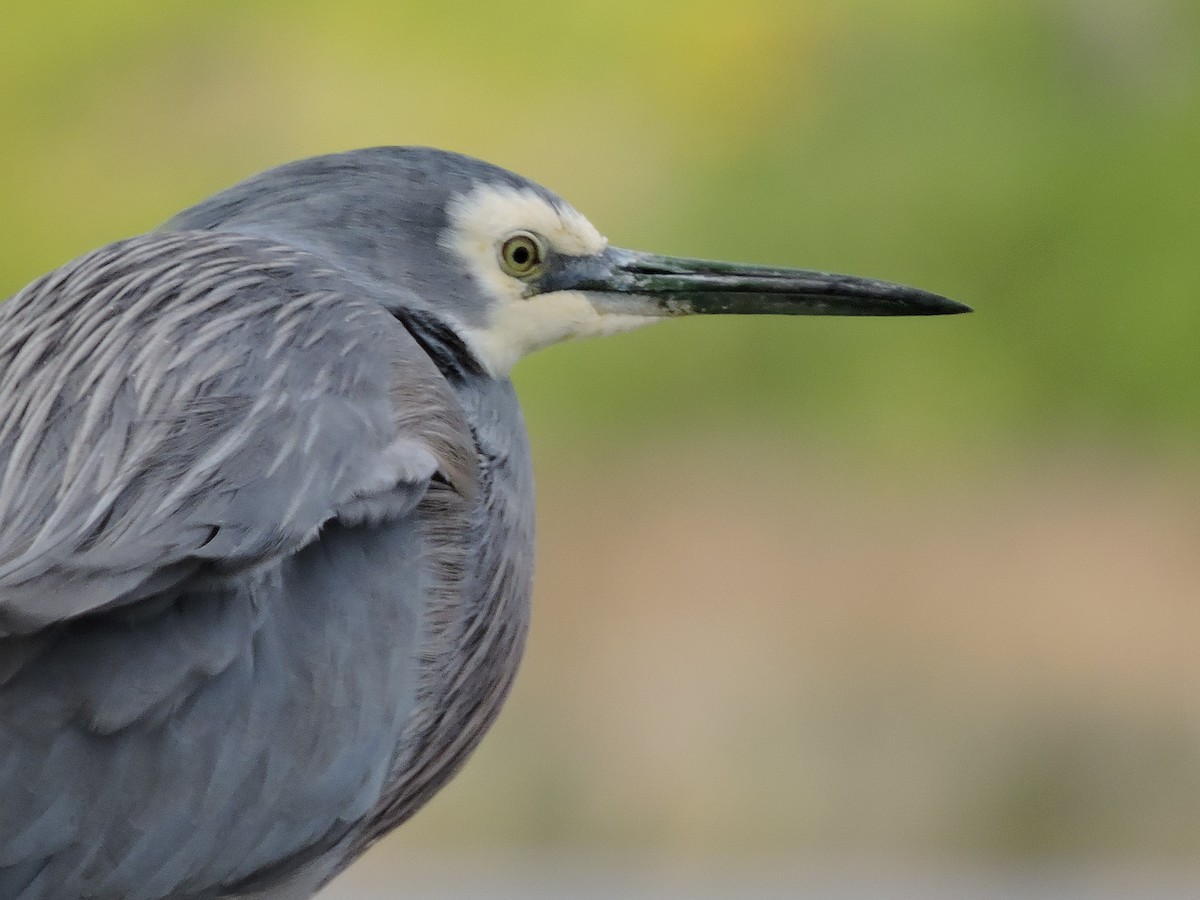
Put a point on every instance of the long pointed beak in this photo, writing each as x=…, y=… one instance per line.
x=679, y=286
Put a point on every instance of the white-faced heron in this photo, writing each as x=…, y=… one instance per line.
x=266, y=511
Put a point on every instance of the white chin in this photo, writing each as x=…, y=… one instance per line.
x=521, y=326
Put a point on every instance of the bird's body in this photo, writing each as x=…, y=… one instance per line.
x=347, y=628
x=266, y=517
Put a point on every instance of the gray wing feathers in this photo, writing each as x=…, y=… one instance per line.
x=267, y=736
x=182, y=399
x=240, y=459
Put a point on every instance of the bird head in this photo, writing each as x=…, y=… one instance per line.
x=505, y=264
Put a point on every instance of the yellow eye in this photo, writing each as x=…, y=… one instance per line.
x=522, y=255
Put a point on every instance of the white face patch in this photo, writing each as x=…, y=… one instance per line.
x=479, y=223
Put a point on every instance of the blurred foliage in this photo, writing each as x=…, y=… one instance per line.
x=1035, y=159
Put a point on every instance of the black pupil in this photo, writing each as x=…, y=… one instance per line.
x=521, y=255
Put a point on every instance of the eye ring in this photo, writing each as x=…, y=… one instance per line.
x=523, y=255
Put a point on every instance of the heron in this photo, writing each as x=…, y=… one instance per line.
x=266, y=510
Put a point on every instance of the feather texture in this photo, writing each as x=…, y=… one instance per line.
x=237, y=506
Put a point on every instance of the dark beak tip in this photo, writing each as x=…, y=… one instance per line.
x=948, y=307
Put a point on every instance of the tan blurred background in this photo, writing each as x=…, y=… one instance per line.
x=821, y=603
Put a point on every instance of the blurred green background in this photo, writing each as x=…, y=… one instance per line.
x=919, y=591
